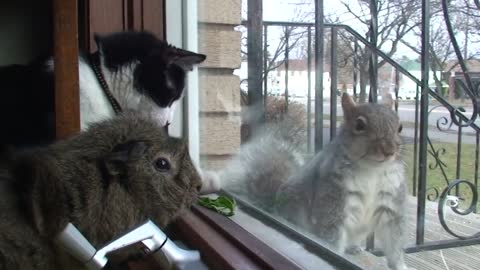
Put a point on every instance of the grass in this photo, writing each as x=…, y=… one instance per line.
x=435, y=177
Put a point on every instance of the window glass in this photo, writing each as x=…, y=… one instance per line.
x=264, y=119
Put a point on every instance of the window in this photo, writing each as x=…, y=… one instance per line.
x=231, y=99
x=225, y=129
x=227, y=124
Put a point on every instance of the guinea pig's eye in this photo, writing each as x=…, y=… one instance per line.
x=162, y=165
x=360, y=124
x=400, y=128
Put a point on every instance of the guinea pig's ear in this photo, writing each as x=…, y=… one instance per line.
x=115, y=163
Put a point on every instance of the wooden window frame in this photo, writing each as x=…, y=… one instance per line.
x=65, y=51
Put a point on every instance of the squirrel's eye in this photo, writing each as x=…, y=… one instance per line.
x=400, y=128
x=162, y=165
x=360, y=124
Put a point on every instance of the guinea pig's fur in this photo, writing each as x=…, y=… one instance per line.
x=105, y=181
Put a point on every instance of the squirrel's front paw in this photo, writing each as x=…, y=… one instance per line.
x=353, y=250
x=210, y=182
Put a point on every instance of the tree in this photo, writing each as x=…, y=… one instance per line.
x=465, y=19
x=396, y=19
x=277, y=40
x=440, y=52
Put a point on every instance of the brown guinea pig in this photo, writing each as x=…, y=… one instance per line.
x=105, y=181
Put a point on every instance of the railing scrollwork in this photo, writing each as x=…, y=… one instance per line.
x=468, y=88
x=446, y=200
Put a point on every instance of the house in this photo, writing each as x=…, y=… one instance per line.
x=407, y=88
x=296, y=80
x=454, y=73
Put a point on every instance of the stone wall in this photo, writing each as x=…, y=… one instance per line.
x=219, y=88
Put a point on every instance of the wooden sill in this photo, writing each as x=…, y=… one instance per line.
x=222, y=243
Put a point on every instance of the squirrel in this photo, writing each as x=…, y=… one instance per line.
x=353, y=187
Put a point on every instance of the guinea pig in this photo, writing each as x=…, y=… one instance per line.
x=105, y=181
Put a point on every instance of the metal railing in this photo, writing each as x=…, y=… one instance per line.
x=424, y=146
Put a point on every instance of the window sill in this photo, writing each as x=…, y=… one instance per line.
x=224, y=244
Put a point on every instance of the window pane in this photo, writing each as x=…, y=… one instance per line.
x=264, y=117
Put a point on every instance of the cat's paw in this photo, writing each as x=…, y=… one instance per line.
x=353, y=250
x=210, y=182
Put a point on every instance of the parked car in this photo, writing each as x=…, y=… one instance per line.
x=406, y=94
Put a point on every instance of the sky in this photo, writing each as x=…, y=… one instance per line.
x=288, y=10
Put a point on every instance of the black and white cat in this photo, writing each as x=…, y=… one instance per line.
x=142, y=73
x=131, y=71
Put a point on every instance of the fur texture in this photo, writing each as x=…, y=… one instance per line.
x=105, y=181
x=142, y=72
x=354, y=187
x=267, y=156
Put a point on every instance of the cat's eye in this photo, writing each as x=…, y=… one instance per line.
x=400, y=128
x=162, y=165
x=360, y=124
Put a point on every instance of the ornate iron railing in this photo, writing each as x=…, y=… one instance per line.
x=424, y=146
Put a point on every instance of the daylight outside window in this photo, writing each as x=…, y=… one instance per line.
x=287, y=125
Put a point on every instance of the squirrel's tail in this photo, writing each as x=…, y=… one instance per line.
x=257, y=171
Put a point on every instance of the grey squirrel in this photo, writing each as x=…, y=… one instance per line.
x=354, y=187
x=105, y=181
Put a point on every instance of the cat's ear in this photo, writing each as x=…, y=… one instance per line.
x=348, y=105
x=185, y=59
x=116, y=162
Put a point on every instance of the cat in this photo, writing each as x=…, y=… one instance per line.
x=106, y=180
x=141, y=72
x=352, y=188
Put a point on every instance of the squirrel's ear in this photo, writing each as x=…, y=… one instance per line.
x=115, y=163
x=387, y=100
x=347, y=104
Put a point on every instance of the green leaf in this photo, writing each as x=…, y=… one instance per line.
x=222, y=204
